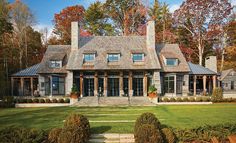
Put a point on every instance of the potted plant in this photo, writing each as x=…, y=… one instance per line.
x=152, y=91
x=74, y=92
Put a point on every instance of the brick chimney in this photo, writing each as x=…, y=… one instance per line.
x=211, y=63
x=150, y=34
x=75, y=32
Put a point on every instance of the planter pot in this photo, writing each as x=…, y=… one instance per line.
x=74, y=96
x=152, y=95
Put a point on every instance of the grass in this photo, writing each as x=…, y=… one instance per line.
x=177, y=116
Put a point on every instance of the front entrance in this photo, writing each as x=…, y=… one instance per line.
x=138, y=86
x=113, y=87
x=88, y=86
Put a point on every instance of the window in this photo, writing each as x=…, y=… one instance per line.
x=55, y=64
x=169, y=82
x=171, y=62
x=138, y=57
x=58, y=85
x=113, y=57
x=232, y=85
x=89, y=57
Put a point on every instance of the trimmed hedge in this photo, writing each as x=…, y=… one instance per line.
x=76, y=129
x=41, y=100
x=148, y=133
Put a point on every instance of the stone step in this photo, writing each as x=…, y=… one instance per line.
x=112, y=138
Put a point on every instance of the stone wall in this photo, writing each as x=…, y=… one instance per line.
x=157, y=81
x=41, y=81
x=68, y=82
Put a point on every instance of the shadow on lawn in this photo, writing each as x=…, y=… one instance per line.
x=100, y=129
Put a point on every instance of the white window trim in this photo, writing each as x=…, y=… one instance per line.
x=55, y=61
x=113, y=54
x=177, y=62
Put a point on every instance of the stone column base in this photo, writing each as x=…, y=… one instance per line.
x=131, y=92
x=73, y=101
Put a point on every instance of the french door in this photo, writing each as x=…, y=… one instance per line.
x=113, y=87
x=138, y=86
x=88, y=86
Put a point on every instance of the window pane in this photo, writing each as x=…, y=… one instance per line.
x=113, y=57
x=171, y=62
x=137, y=57
x=55, y=64
x=89, y=57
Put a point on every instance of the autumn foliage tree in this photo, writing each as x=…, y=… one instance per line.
x=205, y=16
x=62, y=20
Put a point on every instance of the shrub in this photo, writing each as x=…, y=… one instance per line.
x=74, y=89
x=54, y=134
x=169, y=136
x=41, y=101
x=29, y=101
x=61, y=100
x=146, y=118
x=198, y=99
x=172, y=100
x=179, y=99
x=47, y=100
x=206, y=99
x=148, y=133
x=217, y=95
x=35, y=100
x=7, y=102
x=165, y=99
x=185, y=99
x=205, y=133
x=67, y=100
x=76, y=129
x=152, y=89
x=54, y=100
x=192, y=99
x=22, y=100
x=22, y=135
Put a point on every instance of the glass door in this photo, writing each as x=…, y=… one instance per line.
x=113, y=87
x=138, y=86
x=88, y=86
x=179, y=84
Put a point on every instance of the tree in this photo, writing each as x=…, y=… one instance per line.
x=163, y=22
x=96, y=21
x=204, y=16
x=62, y=20
x=127, y=15
x=22, y=18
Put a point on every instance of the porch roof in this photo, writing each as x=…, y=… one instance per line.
x=199, y=70
x=31, y=71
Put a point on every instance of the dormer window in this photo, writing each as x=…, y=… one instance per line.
x=55, y=64
x=113, y=57
x=89, y=57
x=171, y=62
x=138, y=57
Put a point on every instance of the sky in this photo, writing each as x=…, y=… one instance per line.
x=44, y=10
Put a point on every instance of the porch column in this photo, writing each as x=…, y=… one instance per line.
x=32, y=86
x=121, y=84
x=96, y=84
x=21, y=86
x=194, y=85
x=214, y=81
x=204, y=84
x=12, y=86
x=145, y=88
x=50, y=86
x=130, y=83
x=105, y=84
x=81, y=84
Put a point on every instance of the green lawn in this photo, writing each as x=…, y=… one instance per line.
x=178, y=116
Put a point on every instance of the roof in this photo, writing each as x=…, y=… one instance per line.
x=200, y=70
x=28, y=72
x=224, y=73
x=125, y=45
x=172, y=51
x=55, y=52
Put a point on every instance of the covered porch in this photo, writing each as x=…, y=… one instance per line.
x=25, y=82
x=202, y=80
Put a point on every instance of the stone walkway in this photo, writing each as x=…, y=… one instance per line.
x=112, y=138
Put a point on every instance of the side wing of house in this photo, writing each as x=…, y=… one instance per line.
x=175, y=70
x=228, y=80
